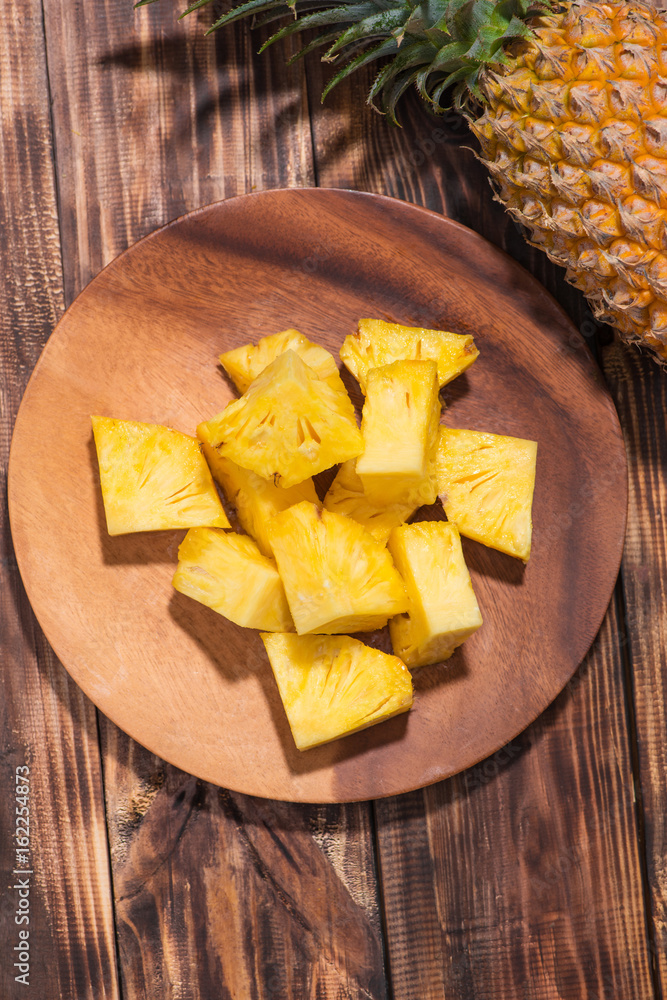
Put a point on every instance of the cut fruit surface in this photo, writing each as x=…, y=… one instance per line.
x=288, y=426
x=399, y=425
x=346, y=496
x=229, y=574
x=337, y=577
x=379, y=343
x=256, y=500
x=331, y=686
x=153, y=478
x=244, y=364
x=486, y=484
x=443, y=610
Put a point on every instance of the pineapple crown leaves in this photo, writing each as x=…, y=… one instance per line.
x=434, y=44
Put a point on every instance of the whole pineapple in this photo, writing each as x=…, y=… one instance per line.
x=568, y=102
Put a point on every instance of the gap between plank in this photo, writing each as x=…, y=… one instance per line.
x=56, y=186
x=116, y=942
x=626, y=662
x=384, y=929
x=54, y=155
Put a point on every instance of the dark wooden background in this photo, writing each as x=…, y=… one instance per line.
x=539, y=874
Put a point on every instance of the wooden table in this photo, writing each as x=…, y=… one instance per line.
x=540, y=873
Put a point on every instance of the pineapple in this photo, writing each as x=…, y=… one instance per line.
x=229, y=574
x=153, y=478
x=289, y=425
x=346, y=496
x=400, y=429
x=486, y=483
x=332, y=686
x=256, y=499
x=572, y=125
x=378, y=343
x=244, y=364
x=443, y=610
x=336, y=576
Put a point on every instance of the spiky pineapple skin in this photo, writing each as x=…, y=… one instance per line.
x=573, y=129
x=575, y=137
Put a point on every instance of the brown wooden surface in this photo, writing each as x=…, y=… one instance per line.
x=540, y=873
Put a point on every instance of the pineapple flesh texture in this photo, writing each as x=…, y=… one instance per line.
x=337, y=577
x=346, y=496
x=486, y=484
x=229, y=574
x=379, y=343
x=289, y=425
x=443, y=610
x=399, y=424
x=153, y=478
x=256, y=500
x=244, y=364
x=332, y=686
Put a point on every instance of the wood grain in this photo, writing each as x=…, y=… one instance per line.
x=248, y=897
x=228, y=726
x=496, y=916
x=218, y=122
x=525, y=870
x=640, y=391
x=152, y=120
x=46, y=724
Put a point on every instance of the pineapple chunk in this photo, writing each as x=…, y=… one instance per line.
x=379, y=343
x=256, y=499
x=153, y=478
x=337, y=577
x=244, y=364
x=229, y=574
x=443, y=609
x=346, y=496
x=289, y=425
x=486, y=484
x=332, y=686
x=400, y=430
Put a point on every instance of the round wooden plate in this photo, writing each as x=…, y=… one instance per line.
x=141, y=343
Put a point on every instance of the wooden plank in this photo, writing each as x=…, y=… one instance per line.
x=639, y=387
x=57, y=889
x=216, y=894
x=220, y=894
x=152, y=120
x=525, y=873
x=526, y=868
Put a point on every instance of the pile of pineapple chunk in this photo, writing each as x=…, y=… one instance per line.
x=308, y=572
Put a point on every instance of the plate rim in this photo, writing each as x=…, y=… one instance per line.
x=440, y=220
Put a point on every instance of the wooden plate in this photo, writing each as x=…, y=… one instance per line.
x=141, y=343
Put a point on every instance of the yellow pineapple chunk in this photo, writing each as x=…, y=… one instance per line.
x=346, y=496
x=379, y=343
x=229, y=574
x=400, y=429
x=153, y=478
x=486, y=483
x=443, y=609
x=256, y=499
x=244, y=364
x=288, y=426
x=332, y=686
x=337, y=577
